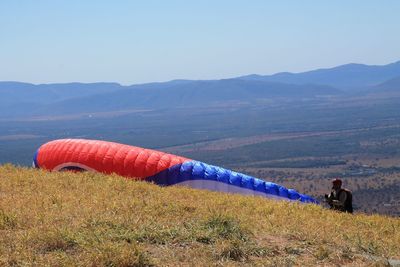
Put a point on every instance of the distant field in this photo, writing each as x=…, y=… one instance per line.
x=234, y=142
x=95, y=220
x=372, y=193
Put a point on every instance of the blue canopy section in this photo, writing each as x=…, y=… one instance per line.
x=35, y=163
x=196, y=170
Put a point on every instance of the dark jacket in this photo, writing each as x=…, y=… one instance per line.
x=341, y=199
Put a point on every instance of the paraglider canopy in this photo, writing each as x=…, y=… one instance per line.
x=154, y=166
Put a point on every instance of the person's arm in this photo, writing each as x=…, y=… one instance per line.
x=328, y=199
x=342, y=199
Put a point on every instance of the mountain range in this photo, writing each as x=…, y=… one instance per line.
x=24, y=99
x=346, y=77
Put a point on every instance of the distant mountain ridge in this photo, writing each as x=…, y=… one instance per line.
x=24, y=99
x=13, y=92
x=21, y=99
x=191, y=94
x=346, y=77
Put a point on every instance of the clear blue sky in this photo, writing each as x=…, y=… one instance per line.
x=143, y=41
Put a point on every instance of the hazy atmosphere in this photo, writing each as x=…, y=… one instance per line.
x=145, y=41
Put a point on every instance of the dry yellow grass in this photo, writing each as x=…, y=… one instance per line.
x=87, y=219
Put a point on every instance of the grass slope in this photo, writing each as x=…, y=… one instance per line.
x=88, y=219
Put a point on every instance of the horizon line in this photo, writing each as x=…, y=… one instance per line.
x=183, y=79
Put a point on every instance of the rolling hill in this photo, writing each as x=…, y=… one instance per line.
x=191, y=94
x=77, y=98
x=91, y=219
x=390, y=86
x=21, y=99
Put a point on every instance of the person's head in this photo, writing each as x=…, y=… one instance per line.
x=336, y=183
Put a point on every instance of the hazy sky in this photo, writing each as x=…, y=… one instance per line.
x=142, y=41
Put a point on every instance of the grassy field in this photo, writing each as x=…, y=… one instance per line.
x=87, y=219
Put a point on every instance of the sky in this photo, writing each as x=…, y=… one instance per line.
x=132, y=42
